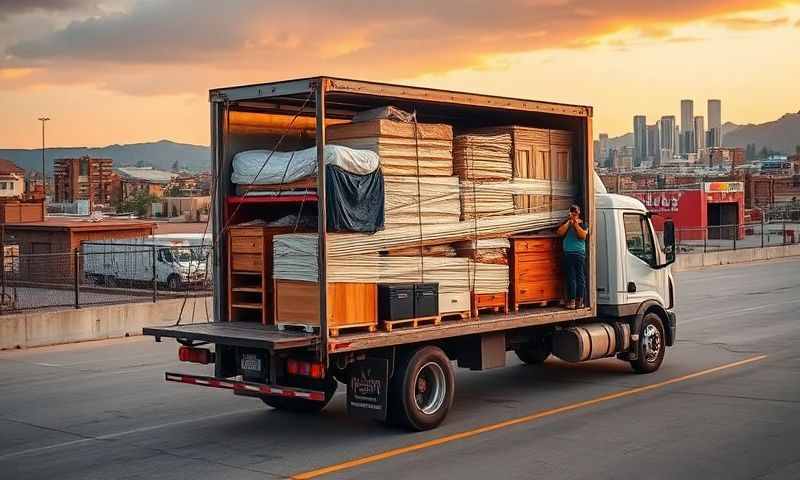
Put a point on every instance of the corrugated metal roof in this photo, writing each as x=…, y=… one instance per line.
x=145, y=173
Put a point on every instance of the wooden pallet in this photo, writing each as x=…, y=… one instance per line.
x=465, y=315
x=334, y=331
x=388, y=325
x=299, y=327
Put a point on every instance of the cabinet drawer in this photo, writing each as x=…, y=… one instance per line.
x=538, y=292
x=247, y=245
x=247, y=232
x=490, y=299
x=538, y=276
x=536, y=245
x=245, y=262
x=453, y=302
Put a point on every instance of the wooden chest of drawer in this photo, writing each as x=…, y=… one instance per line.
x=535, y=270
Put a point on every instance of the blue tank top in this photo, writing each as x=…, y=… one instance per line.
x=572, y=244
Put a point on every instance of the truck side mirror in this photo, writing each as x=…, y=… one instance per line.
x=669, y=241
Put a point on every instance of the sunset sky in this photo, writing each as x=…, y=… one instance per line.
x=123, y=71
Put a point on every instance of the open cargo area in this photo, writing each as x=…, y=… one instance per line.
x=439, y=211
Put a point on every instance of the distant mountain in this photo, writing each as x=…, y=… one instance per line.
x=782, y=135
x=161, y=155
x=616, y=143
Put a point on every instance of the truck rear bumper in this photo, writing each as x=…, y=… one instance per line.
x=246, y=388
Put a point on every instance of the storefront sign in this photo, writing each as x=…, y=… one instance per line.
x=659, y=201
x=711, y=187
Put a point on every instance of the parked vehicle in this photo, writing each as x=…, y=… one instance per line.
x=407, y=376
x=173, y=263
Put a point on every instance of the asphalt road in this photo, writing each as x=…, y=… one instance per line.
x=102, y=410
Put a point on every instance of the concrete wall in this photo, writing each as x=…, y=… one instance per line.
x=39, y=328
x=698, y=260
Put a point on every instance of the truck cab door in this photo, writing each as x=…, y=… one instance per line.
x=644, y=280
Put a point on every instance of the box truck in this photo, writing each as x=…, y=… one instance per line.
x=300, y=307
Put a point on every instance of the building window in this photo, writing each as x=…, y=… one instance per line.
x=639, y=238
x=84, y=167
x=2, y=185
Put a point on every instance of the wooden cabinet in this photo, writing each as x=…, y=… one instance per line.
x=542, y=155
x=535, y=269
x=350, y=305
x=250, y=273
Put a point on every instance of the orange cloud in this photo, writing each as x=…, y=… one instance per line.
x=183, y=45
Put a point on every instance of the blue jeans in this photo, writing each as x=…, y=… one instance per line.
x=574, y=275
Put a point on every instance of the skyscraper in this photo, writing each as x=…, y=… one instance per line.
x=699, y=133
x=687, y=126
x=668, y=132
x=654, y=142
x=604, y=150
x=639, y=139
x=715, y=122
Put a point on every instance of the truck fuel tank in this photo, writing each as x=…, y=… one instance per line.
x=591, y=341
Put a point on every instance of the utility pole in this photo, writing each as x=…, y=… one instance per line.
x=44, y=176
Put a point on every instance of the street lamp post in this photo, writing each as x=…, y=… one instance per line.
x=44, y=175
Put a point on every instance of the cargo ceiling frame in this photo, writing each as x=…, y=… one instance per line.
x=328, y=99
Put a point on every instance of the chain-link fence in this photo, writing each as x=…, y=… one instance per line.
x=103, y=273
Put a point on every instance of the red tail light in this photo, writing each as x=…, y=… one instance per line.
x=195, y=355
x=306, y=369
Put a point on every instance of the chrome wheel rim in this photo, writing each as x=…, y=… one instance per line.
x=430, y=388
x=652, y=343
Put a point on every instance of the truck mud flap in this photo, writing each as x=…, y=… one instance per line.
x=246, y=388
x=367, y=388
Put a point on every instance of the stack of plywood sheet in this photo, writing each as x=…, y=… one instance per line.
x=422, y=149
x=412, y=200
x=482, y=156
x=295, y=258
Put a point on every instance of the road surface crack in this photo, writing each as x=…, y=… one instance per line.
x=720, y=345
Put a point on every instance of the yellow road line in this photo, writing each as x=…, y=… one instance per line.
x=514, y=421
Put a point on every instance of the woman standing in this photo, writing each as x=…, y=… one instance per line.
x=574, y=232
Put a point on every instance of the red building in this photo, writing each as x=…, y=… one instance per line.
x=711, y=211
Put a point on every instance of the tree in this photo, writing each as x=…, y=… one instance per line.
x=797, y=150
x=139, y=204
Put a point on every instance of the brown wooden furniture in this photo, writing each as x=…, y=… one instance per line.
x=250, y=273
x=350, y=305
x=535, y=269
x=498, y=302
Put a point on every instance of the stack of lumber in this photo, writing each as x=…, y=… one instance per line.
x=423, y=149
x=295, y=258
x=503, y=198
x=481, y=156
x=446, y=250
x=410, y=200
x=488, y=250
x=344, y=244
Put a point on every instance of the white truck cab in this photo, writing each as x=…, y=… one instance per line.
x=634, y=275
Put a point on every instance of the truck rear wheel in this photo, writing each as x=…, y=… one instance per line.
x=301, y=405
x=422, y=389
x=651, y=346
x=534, y=352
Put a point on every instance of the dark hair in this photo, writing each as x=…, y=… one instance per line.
x=574, y=208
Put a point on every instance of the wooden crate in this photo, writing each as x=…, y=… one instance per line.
x=350, y=305
x=536, y=276
x=497, y=302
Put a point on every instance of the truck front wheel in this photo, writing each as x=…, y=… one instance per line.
x=422, y=389
x=651, y=346
x=301, y=405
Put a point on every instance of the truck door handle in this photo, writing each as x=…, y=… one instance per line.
x=631, y=287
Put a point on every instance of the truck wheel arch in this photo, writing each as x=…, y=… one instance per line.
x=655, y=307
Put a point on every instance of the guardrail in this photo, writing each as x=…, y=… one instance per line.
x=714, y=238
x=102, y=274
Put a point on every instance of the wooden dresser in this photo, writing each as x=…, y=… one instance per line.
x=535, y=270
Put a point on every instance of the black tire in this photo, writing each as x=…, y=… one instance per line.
x=174, y=282
x=301, y=405
x=534, y=352
x=651, y=347
x=422, y=389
